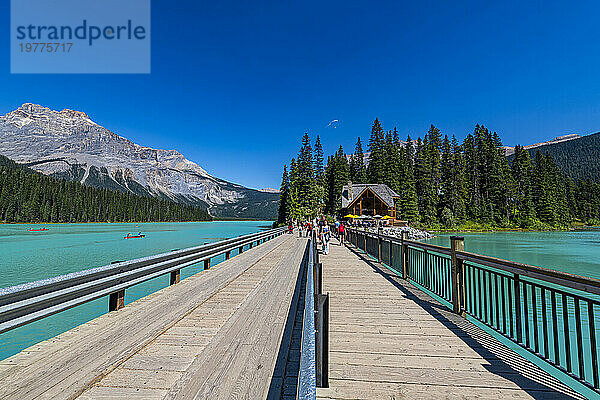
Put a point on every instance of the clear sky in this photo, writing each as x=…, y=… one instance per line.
x=235, y=84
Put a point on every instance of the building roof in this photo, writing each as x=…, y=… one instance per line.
x=353, y=191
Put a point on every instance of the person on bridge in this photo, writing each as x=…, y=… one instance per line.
x=342, y=231
x=299, y=229
x=326, y=236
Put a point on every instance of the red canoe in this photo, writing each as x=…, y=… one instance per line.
x=38, y=230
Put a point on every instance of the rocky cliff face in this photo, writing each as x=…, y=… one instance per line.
x=68, y=144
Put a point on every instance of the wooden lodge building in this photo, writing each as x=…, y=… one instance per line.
x=370, y=200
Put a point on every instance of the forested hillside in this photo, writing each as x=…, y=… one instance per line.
x=446, y=184
x=29, y=196
x=578, y=158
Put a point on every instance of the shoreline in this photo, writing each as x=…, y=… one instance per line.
x=126, y=222
x=577, y=228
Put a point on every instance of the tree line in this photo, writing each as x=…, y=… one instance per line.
x=27, y=196
x=442, y=183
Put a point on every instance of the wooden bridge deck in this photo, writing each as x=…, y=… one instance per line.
x=215, y=335
x=389, y=340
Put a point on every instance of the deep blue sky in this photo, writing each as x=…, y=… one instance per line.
x=235, y=84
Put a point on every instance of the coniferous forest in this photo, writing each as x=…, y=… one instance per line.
x=443, y=184
x=27, y=196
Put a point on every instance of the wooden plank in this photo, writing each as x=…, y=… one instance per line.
x=110, y=393
x=353, y=390
x=150, y=379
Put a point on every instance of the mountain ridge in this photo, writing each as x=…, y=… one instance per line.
x=509, y=150
x=578, y=158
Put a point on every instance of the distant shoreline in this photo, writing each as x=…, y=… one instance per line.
x=571, y=229
x=120, y=222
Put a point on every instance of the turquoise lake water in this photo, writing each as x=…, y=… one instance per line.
x=30, y=256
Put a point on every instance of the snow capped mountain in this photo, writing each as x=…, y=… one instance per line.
x=68, y=144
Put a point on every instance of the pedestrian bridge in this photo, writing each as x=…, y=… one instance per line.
x=258, y=326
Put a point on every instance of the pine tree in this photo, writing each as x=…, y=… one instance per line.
x=337, y=173
x=458, y=185
x=358, y=172
x=546, y=208
x=319, y=169
x=376, y=167
x=409, y=207
x=282, y=212
x=522, y=171
x=304, y=191
x=392, y=164
x=319, y=172
x=447, y=195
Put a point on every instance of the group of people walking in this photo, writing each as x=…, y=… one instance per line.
x=323, y=230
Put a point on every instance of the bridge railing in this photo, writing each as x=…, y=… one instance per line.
x=552, y=314
x=29, y=302
x=314, y=352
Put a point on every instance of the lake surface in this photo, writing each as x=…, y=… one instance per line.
x=576, y=252
x=30, y=256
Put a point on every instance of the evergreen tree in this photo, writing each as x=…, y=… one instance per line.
x=522, y=171
x=358, y=172
x=319, y=169
x=458, y=185
x=393, y=163
x=282, y=212
x=304, y=191
x=428, y=175
x=319, y=172
x=376, y=167
x=337, y=175
x=409, y=207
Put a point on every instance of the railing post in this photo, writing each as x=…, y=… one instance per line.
x=404, y=254
x=365, y=248
x=378, y=248
x=319, y=288
x=241, y=250
x=175, y=276
x=322, y=340
x=116, y=300
x=517, y=289
x=251, y=244
x=207, y=264
x=426, y=275
x=457, y=243
x=227, y=255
